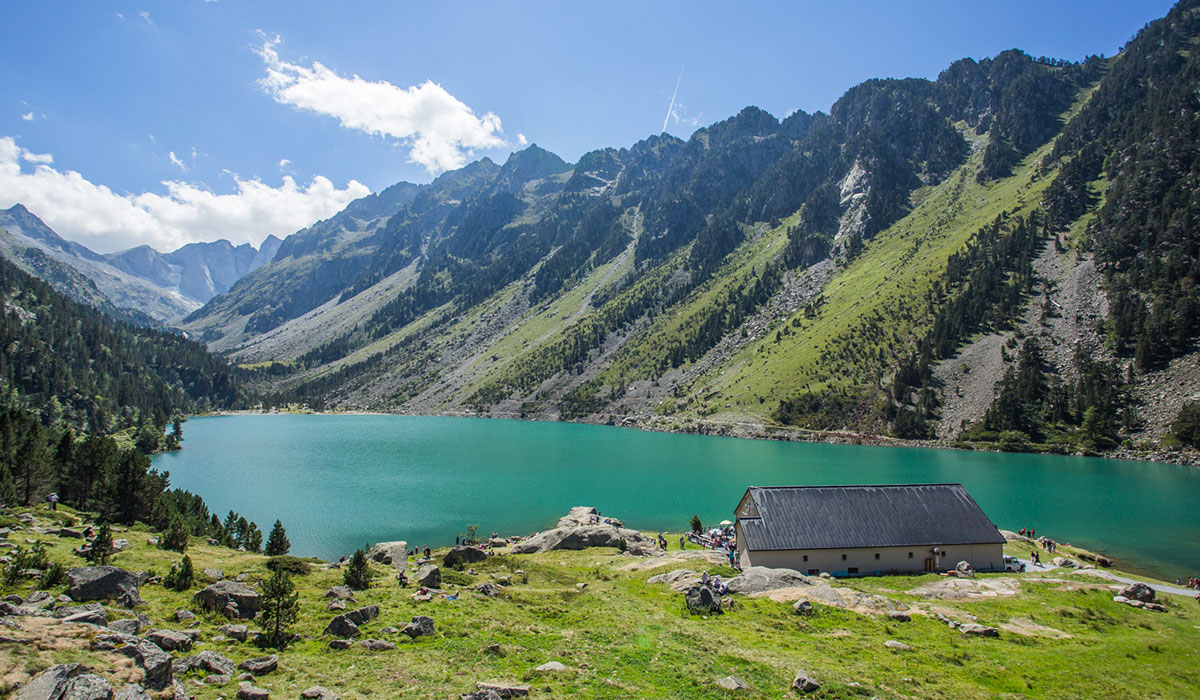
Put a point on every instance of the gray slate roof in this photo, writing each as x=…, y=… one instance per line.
x=842, y=517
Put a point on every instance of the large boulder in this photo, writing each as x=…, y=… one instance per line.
x=88, y=686
x=1138, y=591
x=394, y=553
x=429, y=576
x=341, y=627
x=170, y=640
x=580, y=516
x=218, y=596
x=804, y=682
x=586, y=536
x=363, y=615
x=214, y=662
x=132, y=692
x=760, y=579
x=260, y=665
x=51, y=683
x=702, y=600
x=319, y=693
x=420, y=626
x=154, y=661
x=464, y=554
x=679, y=579
x=104, y=583
x=963, y=569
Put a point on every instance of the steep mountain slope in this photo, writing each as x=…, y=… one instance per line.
x=141, y=284
x=826, y=272
x=198, y=271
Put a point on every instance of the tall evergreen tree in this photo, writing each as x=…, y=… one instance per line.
x=277, y=542
x=280, y=608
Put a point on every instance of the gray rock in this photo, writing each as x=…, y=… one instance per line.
x=363, y=615
x=1065, y=563
x=89, y=617
x=977, y=630
x=896, y=646
x=463, y=554
x=238, y=632
x=1138, y=591
x=760, y=579
x=219, y=595
x=109, y=642
x=132, y=691
x=733, y=683
x=420, y=626
x=802, y=607
x=504, y=690
x=104, y=583
x=429, y=576
x=550, y=667
x=214, y=662
x=216, y=679
x=340, y=643
x=340, y=593
x=702, y=600
x=154, y=661
x=88, y=686
x=488, y=589
x=184, y=615
x=50, y=684
x=394, y=553
x=121, y=544
x=678, y=579
x=214, y=574
x=127, y=626
x=70, y=532
x=336, y=605
x=170, y=640
x=249, y=692
x=341, y=626
x=376, y=645
x=319, y=693
x=261, y=665
x=178, y=692
x=963, y=569
x=1156, y=607
x=899, y=616
x=804, y=682
x=588, y=536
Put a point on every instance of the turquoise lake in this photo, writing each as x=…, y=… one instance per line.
x=339, y=482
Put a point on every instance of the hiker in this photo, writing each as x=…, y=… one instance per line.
x=704, y=579
x=402, y=579
x=428, y=552
x=681, y=541
x=53, y=500
x=89, y=532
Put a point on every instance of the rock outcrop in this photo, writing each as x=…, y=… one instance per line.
x=464, y=554
x=233, y=598
x=761, y=579
x=105, y=583
x=583, y=527
x=394, y=553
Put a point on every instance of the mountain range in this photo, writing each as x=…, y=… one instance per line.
x=1006, y=255
x=140, y=284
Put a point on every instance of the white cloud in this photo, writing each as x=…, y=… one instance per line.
x=176, y=162
x=284, y=163
x=39, y=158
x=120, y=16
x=146, y=16
x=28, y=116
x=522, y=140
x=105, y=221
x=440, y=130
x=679, y=115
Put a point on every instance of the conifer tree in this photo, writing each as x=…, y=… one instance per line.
x=102, y=545
x=280, y=608
x=179, y=578
x=277, y=542
x=357, y=575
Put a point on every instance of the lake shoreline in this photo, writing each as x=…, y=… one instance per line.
x=756, y=431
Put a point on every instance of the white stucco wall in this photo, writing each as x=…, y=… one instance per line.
x=982, y=557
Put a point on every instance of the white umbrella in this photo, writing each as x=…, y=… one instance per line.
x=726, y=522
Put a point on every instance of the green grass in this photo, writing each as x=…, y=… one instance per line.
x=622, y=637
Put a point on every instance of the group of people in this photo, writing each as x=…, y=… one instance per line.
x=714, y=582
x=1192, y=582
x=724, y=538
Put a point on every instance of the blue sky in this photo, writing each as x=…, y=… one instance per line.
x=167, y=122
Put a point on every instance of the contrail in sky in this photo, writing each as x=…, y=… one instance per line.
x=673, y=94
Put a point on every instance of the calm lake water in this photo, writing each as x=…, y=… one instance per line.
x=338, y=482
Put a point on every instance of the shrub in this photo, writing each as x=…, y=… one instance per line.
x=1186, y=426
x=289, y=564
x=179, y=578
x=53, y=575
x=697, y=526
x=102, y=546
x=455, y=578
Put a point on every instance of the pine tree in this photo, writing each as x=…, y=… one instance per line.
x=175, y=537
x=357, y=575
x=277, y=542
x=179, y=578
x=102, y=545
x=280, y=608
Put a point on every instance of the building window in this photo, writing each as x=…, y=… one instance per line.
x=813, y=572
x=852, y=570
x=876, y=555
x=910, y=555
x=805, y=557
x=843, y=557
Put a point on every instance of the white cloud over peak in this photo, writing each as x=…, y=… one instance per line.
x=176, y=162
x=106, y=221
x=440, y=130
x=521, y=140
